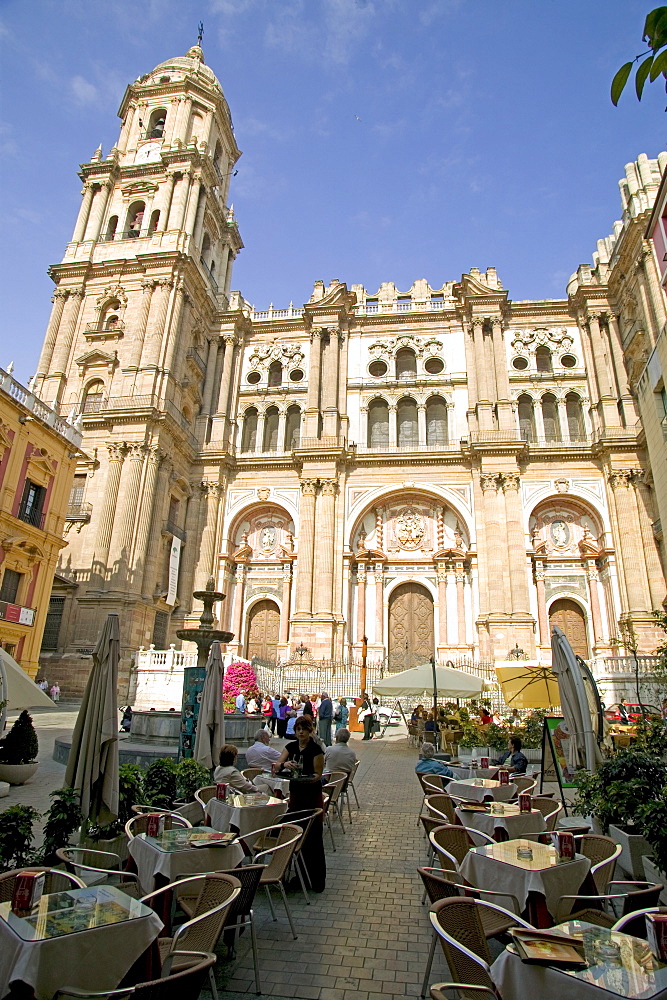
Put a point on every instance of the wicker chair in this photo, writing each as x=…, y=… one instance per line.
x=204, y=795
x=350, y=783
x=631, y=924
x=438, y=991
x=443, y=885
x=441, y=804
x=55, y=881
x=451, y=843
x=276, y=869
x=549, y=809
x=99, y=868
x=251, y=772
x=138, y=824
x=629, y=901
x=603, y=852
x=187, y=982
x=203, y=930
x=524, y=783
x=433, y=784
x=458, y=924
x=305, y=819
x=140, y=809
x=333, y=789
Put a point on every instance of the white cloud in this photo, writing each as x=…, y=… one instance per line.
x=83, y=91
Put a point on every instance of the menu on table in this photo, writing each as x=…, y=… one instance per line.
x=183, y=839
x=60, y=913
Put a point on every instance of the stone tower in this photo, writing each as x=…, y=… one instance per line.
x=136, y=344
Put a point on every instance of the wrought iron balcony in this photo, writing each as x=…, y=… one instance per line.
x=79, y=512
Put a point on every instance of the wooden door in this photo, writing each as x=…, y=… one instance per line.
x=263, y=631
x=410, y=626
x=569, y=618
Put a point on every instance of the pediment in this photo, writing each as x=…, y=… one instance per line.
x=139, y=187
x=5, y=437
x=40, y=462
x=97, y=359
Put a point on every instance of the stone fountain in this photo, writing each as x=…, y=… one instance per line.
x=205, y=635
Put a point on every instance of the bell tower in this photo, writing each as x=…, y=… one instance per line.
x=135, y=347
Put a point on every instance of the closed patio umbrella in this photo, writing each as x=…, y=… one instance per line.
x=582, y=748
x=92, y=765
x=418, y=682
x=210, y=735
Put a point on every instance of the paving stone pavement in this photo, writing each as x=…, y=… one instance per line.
x=367, y=934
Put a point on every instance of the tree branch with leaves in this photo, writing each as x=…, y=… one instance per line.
x=650, y=64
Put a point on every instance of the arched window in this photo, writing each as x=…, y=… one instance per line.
x=112, y=226
x=110, y=319
x=378, y=424
x=407, y=425
x=292, y=428
x=436, y=421
x=93, y=397
x=135, y=220
x=156, y=124
x=406, y=363
x=575, y=417
x=550, y=418
x=543, y=359
x=205, y=248
x=526, y=418
x=249, y=438
x=155, y=218
x=270, y=442
x=275, y=374
x=196, y=125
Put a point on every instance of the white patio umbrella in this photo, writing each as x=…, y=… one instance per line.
x=582, y=746
x=17, y=688
x=210, y=735
x=417, y=682
x=92, y=765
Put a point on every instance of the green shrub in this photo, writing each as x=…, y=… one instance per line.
x=16, y=836
x=160, y=783
x=191, y=775
x=64, y=816
x=624, y=782
x=20, y=745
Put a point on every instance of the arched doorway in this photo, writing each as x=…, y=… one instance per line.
x=411, y=639
x=569, y=618
x=263, y=631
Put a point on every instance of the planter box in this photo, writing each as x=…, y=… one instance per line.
x=635, y=847
x=17, y=774
x=192, y=811
x=653, y=874
x=475, y=752
x=117, y=845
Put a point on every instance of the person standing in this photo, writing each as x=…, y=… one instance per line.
x=366, y=715
x=240, y=703
x=55, y=692
x=275, y=709
x=283, y=709
x=341, y=715
x=325, y=718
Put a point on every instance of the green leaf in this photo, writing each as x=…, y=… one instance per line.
x=642, y=74
x=652, y=19
x=619, y=82
x=659, y=66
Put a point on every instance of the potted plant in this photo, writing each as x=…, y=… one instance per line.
x=239, y=678
x=16, y=836
x=62, y=818
x=472, y=739
x=653, y=822
x=190, y=775
x=160, y=783
x=130, y=792
x=18, y=751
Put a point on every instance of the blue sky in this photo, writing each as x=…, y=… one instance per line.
x=383, y=140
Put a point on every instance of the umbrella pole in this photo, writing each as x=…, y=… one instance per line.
x=435, y=691
x=4, y=692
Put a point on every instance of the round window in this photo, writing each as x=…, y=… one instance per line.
x=434, y=366
x=378, y=368
x=520, y=364
x=568, y=361
x=254, y=377
x=296, y=375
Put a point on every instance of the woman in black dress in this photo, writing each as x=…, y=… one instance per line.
x=306, y=757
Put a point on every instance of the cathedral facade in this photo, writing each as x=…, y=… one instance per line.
x=443, y=471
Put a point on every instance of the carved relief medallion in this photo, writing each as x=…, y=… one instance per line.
x=409, y=529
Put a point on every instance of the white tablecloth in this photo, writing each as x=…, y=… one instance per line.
x=95, y=959
x=562, y=879
x=517, y=825
x=477, y=793
x=463, y=771
x=222, y=815
x=151, y=861
x=269, y=783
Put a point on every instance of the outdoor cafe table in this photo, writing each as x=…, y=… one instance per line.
x=84, y=938
x=245, y=812
x=627, y=969
x=463, y=771
x=508, y=825
x=543, y=878
x=170, y=856
x=478, y=789
x=268, y=782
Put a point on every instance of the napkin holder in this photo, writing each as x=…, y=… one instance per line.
x=28, y=889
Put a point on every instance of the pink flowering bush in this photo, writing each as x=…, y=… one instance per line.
x=239, y=679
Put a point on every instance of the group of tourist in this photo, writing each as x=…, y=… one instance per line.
x=53, y=691
x=281, y=712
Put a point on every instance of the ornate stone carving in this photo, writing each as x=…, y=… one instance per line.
x=409, y=529
x=116, y=451
x=308, y=487
x=287, y=354
x=619, y=479
x=263, y=493
x=542, y=336
x=489, y=481
x=511, y=481
x=329, y=487
x=562, y=485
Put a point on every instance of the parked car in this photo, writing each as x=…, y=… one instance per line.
x=612, y=714
x=390, y=716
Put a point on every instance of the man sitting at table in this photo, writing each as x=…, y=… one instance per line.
x=428, y=765
x=260, y=754
x=340, y=757
x=512, y=759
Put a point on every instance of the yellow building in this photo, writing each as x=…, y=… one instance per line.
x=38, y=455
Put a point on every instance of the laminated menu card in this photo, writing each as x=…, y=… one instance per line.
x=549, y=949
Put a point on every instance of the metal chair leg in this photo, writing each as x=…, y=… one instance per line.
x=289, y=915
x=333, y=842
x=349, y=808
x=211, y=979
x=339, y=814
x=355, y=794
x=255, y=957
x=268, y=896
x=429, y=963
x=303, y=884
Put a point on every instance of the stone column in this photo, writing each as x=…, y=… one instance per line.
x=206, y=565
x=460, y=604
x=361, y=601
x=505, y=415
x=84, y=212
x=545, y=638
x=629, y=405
x=126, y=513
x=563, y=427
x=607, y=394
x=379, y=604
x=209, y=376
x=442, y=603
x=116, y=454
x=259, y=439
x=63, y=344
x=516, y=543
x=190, y=552
x=149, y=528
x=644, y=501
x=304, y=565
x=495, y=542
x=392, y=427
x=177, y=207
x=227, y=368
x=193, y=202
x=324, y=532
x=59, y=298
x=282, y=418
x=175, y=337
x=421, y=424
x=592, y=578
x=311, y=415
x=652, y=279
x=134, y=357
x=591, y=379
x=201, y=209
x=651, y=326
x=330, y=385
x=239, y=601
x=96, y=217
x=471, y=370
x=630, y=542
x=285, y=608
x=165, y=204
x=152, y=348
